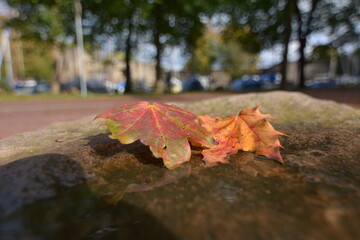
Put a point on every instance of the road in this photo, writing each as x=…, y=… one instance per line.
x=21, y=116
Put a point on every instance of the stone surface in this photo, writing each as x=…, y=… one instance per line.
x=52, y=137
x=85, y=185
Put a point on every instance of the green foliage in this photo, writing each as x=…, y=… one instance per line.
x=38, y=60
x=227, y=51
x=109, y=18
x=177, y=21
x=4, y=87
x=236, y=61
x=258, y=20
x=205, y=53
x=239, y=50
x=44, y=20
x=323, y=53
x=244, y=36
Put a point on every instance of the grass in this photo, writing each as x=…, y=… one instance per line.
x=9, y=97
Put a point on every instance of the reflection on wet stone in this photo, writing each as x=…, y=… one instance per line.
x=70, y=212
x=247, y=162
x=228, y=191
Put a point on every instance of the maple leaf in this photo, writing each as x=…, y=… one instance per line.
x=247, y=131
x=166, y=129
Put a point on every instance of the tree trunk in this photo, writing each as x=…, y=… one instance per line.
x=128, y=86
x=284, y=65
x=287, y=34
x=55, y=81
x=304, y=29
x=158, y=72
x=159, y=48
x=302, y=62
x=333, y=64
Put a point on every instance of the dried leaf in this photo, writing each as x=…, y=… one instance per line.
x=247, y=131
x=165, y=128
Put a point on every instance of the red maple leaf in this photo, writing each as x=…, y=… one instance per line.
x=165, y=128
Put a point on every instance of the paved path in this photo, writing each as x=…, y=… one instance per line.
x=350, y=97
x=21, y=116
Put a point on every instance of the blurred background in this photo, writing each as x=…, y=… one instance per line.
x=65, y=59
x=172, y=46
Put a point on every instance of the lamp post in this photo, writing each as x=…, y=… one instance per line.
x=5, y=50
x=5, y=53
x=80, y=48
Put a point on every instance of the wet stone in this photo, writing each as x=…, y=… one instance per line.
x=93, y=187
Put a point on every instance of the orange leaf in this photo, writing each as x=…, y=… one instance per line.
x=247, y=131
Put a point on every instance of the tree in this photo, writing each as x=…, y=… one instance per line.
x=46, y=21
x=305, y=27
x=120, y=19
x=37, y=59
x=280, y=21
x=205, y=53
x=286, y=16
x=339, y=18
x=160, y=22
x=236, y=61
x=174, y=22
x=269, y=23
x=239, y=50
x=225, y=49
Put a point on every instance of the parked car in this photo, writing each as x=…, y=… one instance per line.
x=270, y=80
x=247, y=82
x=321, y=85
x=256, y=82
x=42, y=87
x=30, y=86
x=321, y=81
x=93, y=85
x=196, y=83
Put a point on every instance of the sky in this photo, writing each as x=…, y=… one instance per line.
x=174, y=59
x=5, y=11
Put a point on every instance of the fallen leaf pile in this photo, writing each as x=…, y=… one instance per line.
x=167, y=130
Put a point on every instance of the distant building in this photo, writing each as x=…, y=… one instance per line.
x=111, y=70
x=312, y=70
